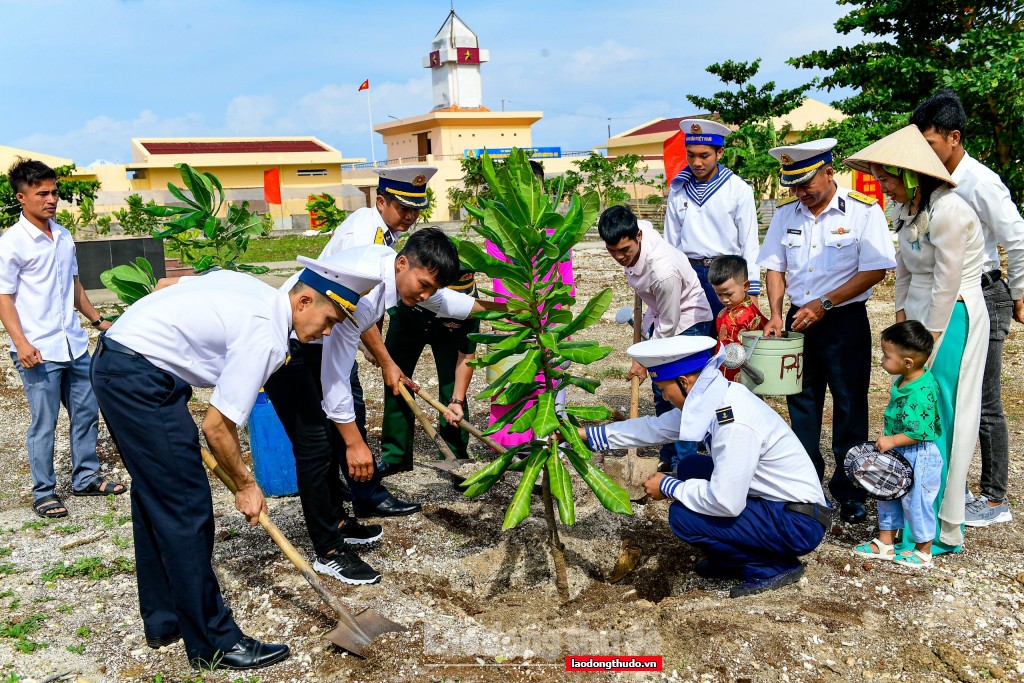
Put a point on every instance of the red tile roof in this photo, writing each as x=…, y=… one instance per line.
x=664, y=125
x=233, y=147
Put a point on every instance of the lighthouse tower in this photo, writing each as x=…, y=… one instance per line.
x=455, y=60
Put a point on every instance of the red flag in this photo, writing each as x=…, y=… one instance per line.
x=468, y=55
x=272, y=186
x=675, y=155
x=435, y=59
x=365, y=85
x=862, y=182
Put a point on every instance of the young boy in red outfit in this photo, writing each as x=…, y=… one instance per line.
x=728, y=276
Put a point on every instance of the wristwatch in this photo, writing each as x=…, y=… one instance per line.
x=826, y=303
x=97, y=322
x=460, y=401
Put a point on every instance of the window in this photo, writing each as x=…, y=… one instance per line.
x=312, y=171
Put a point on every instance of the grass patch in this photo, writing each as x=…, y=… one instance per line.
x=121, y=542
x=68, y=529
x=77, y=649
x=284, y=248
x=83, y=632
x=36, y=524
x=92, y=567
x=21, y=629
x=4, y=552
x=8, y=568
x=610, y=372
x=66, y=609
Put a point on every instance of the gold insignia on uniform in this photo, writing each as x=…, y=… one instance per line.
x=787, y=200
x=724, y=415
x=695, y=128
x=841, y=231
x=862, y=198
x=786, y=159
x=419, y=180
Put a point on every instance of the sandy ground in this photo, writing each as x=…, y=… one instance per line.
x=480, y=603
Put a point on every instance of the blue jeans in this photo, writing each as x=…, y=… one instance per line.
x=47, y=386
x=674, y=452
x=915, y=508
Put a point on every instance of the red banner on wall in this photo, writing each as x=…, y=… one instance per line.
x=674, y=151
x=866, y=184
x=272, y=186
x=435, y=59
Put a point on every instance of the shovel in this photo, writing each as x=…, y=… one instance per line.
x=450, y=461
x=354, y=631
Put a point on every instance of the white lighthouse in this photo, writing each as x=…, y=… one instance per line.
x=455, y=60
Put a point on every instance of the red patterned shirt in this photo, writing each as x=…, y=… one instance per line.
x=734, y=320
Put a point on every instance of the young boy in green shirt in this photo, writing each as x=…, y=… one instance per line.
x=911, y=427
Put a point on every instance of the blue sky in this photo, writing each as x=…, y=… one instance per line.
x=82, y=78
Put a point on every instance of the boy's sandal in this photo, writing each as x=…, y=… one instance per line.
x=101, y=487
x=46, y=506
x=884, y=552
x=914, y=559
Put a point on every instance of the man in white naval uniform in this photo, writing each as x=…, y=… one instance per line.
x=755, y=505
x=942, y=121
x=826, y=248
x=710, y=210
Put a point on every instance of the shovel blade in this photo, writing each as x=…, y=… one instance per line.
x=370, y=624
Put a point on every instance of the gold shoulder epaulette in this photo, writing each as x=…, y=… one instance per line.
x=862, y=198
x=787, y=200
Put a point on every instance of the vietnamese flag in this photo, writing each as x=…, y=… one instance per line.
x=272, y=186
x=674, y=152
x=365, y=85
x=468, y=55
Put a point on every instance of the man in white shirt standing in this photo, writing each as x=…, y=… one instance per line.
x=665, y=281
x=39, y=294
x=755, y=505
x=826, y=248
x=710, y=210
x=943, y=123
x=228, y=331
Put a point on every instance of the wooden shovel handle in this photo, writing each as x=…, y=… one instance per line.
x=429, y=428
x=473, y=431
x=282, y=542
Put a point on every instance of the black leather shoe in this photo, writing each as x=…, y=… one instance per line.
x=248, y=653
x=163, y=641
x=387, y=469
x=389, y=507
x=852, y=511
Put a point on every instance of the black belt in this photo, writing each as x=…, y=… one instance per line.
x=107, y=344
x=991, y=277
x=706, y=262
x=819, y=513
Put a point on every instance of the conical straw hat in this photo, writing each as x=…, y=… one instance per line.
x=906, y=148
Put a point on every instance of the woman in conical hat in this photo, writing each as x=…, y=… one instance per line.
x=938, y=282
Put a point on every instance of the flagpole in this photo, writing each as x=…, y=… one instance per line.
x=369, y=111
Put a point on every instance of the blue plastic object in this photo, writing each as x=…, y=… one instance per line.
x=273, y=463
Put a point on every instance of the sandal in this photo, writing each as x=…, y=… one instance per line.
x=884, y=552
x=45, y=506
x=914, y=559
x=101, y=487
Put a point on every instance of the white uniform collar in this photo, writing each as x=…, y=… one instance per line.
x=35, y=233
x=703, y=400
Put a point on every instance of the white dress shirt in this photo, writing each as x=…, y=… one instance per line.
x=340, y=347
x=225, y=330
x=755, y=453
x=667, y=283
x=361, y=227
x=40, y=274
x=820, y=253
x=1001, y=222
x=725, y=224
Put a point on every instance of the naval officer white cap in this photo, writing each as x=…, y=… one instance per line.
x=672, y=357
x=408, y=184
x=801, y=162
x=704, y=132
x=341, y=278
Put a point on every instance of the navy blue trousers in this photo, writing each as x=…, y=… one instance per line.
x=764, y=540
x=146, y=410
x=295, y=391
x=837, y=358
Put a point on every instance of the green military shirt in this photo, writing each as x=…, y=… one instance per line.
x=914, y=408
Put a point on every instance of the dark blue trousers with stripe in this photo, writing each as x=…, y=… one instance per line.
x=764, y=540
x=146, y=410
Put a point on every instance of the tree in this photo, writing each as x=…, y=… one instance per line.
x=972, y=47
x=538, y=324
x=134, y=220
x=751, y=109
x=324, y=214
x=69, y=190
x=606, y=176
x=474, y=187
x=428, y=211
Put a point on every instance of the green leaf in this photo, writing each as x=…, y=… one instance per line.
x=561, y=488
x=584, y=383
x=526, y=370
x=164, y=211
x=497, y=385
x=502, y=186
x=572, y=437
x=484, y=338
x=515, y=392
x=201, y=192
x=145, y=266
x=547, y=420
x=484, y=478
x=519, y=508
x=210, y=227
x=585, y=356
x=527, y=188
x=549, y=342
x=589, y=412
x=524, y=422
x=513, y=341
x=492, y=358
x=474, y=258
x=511, y=235
x=611, y=495
x=590, y=314
x=507, y=418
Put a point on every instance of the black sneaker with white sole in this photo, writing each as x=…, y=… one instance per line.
x=345, y=566
x=355, y=533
